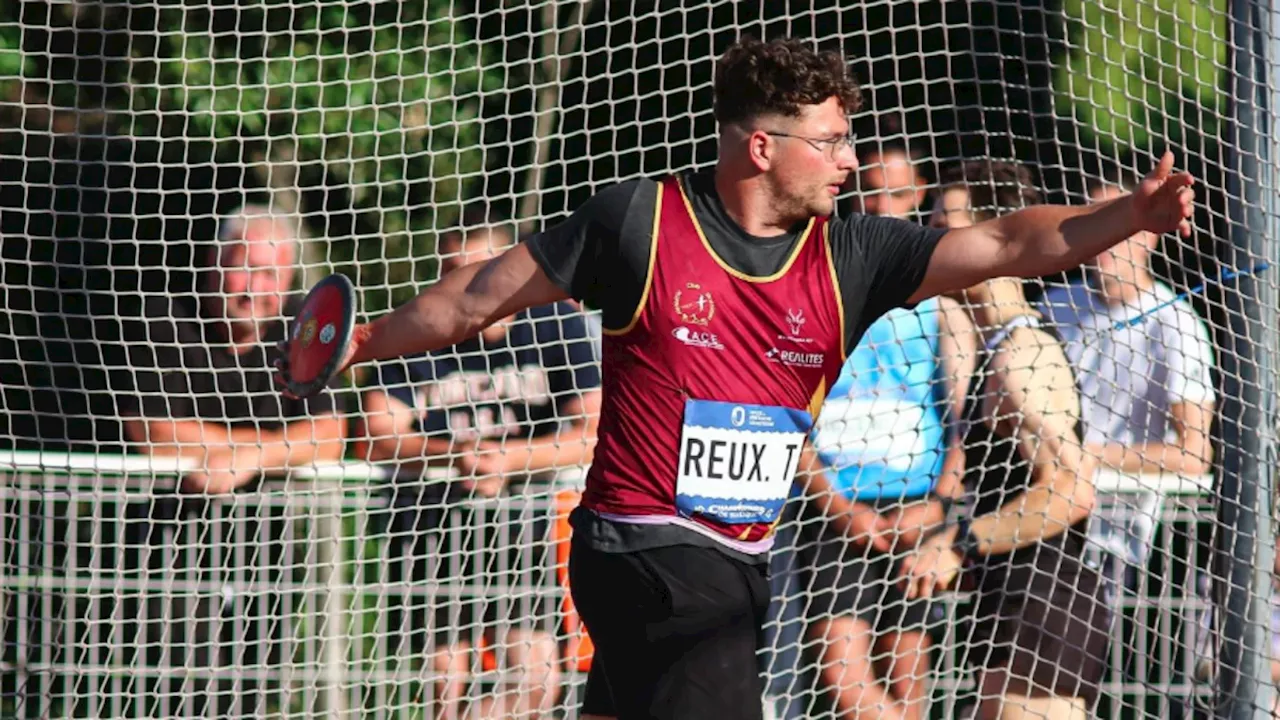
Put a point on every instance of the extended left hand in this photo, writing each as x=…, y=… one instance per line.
x=1164, y=201
x=224, y=469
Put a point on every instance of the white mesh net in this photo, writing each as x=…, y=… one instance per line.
x=388, y=141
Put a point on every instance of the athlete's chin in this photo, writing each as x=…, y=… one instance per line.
x=823, y=206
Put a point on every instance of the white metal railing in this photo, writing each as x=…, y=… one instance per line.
x=329, y=571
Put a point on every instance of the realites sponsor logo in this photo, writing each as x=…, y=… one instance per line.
x=795, y=359
x=697, y=338
x=694, y=305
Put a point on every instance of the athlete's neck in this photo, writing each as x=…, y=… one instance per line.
x=996, y=303
x=749, y=202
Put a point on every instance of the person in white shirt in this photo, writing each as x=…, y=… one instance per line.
x=1147, y=395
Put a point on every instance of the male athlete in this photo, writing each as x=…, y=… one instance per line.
x=729, y=298
x=1037, y=636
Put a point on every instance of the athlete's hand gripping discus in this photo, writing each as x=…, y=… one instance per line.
x=319, y=337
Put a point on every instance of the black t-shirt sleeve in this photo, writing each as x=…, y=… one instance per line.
x=159, y=385
x=600, y=255
x=879, y=262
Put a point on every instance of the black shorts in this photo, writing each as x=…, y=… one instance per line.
x=675, y=630
x=853, y=580
x=1039, y=613
x=464, y=572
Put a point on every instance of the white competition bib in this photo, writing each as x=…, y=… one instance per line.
x=737, y=461
x=867, y=431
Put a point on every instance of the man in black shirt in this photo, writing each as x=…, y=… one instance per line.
x=201, y=367
x=519, y=401
x=673, y=601
x=202, y=389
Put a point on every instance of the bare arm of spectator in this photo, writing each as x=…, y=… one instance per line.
x=958, y=351
x=385, y=431
x=854, y=520
x=233, y=456
x=1030, y=395
x=572, y=446
x=1190, y=454
x=957, y=354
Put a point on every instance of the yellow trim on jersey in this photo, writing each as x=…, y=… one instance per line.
x=804, y=237
x=835, y=285
x=819, y=397
x=648, y=275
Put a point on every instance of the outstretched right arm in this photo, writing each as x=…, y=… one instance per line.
x=462, y=304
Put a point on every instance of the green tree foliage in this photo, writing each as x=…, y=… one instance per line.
x=1138, y=69
x=377, y=99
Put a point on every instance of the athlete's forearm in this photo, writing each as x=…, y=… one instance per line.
x=461, y=304
x=1046, y=239
x=1046, y=509
x=448, y=312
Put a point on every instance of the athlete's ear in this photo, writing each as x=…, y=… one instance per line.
x=758, y=146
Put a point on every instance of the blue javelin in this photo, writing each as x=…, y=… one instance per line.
x=1224, y=275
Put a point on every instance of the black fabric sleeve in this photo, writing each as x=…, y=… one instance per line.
x=160, y=387
x=879, y=262
x=600, y=255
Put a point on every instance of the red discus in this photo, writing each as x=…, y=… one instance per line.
x=320, y=335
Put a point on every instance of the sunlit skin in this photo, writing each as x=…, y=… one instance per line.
x=1121, y=273
x=996, y=301
x=252, y=276
x=476, y=247
x=888, y=185
x=770, y=183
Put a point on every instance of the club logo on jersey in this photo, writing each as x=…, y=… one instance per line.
x=694, y=305
x=795, y=321
x=795, y=359
x=697, y=338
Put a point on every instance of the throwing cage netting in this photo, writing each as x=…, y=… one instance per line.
x=371, y=133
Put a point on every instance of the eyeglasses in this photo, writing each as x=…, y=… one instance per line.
x=829, y=147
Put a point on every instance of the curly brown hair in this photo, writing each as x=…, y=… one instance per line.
x=779, y=77
x=996, y=187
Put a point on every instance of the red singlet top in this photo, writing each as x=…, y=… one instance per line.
x=708, y=392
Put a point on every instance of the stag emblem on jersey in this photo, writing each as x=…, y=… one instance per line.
x=795, y=321
x=694, y=305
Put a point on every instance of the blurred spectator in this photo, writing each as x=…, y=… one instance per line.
x=202, y=366
x=888, y=438
x=204, y=389
x=1037, y=634
x=1147, y=396
x=520, y=400
x=889, y=182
